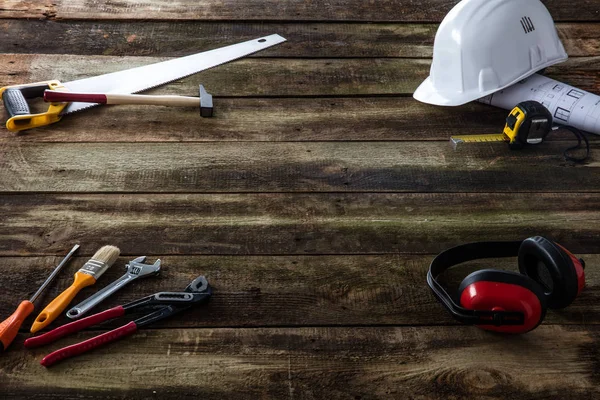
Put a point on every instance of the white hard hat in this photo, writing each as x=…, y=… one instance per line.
x=483, y=46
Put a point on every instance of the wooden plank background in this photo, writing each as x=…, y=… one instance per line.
x=313, y=201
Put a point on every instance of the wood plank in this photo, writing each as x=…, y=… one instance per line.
x=278, y=120
x=266, y=10
x=291, y=167
x=246, y=77
x=309, y=363
x=272, y=224
x=264, y=291
x=176, y=39
x=275, y=119
x=273, y=77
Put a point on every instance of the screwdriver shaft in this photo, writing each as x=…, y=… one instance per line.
x=10, y=326
x=58, y=268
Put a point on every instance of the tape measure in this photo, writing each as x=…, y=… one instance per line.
x=528, y=123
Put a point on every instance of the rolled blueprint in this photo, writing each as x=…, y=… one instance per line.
x=568, y=105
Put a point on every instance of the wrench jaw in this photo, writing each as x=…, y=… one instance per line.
x=136, y=268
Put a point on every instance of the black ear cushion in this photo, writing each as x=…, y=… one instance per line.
x=544, y=262
x=513, y=278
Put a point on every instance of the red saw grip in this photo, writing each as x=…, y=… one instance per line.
x=75, y=326
x=87, y=345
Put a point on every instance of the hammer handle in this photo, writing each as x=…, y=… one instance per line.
x=114, y=98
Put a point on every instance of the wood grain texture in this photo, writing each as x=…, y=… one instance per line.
x=275, y=120
x=273, y=77
x=265, y=10
x=175, y=39
x=245, y=224
x=313, y=202
x=310, y=363
x=291, y=167
x=278, y=120
x=262, y=291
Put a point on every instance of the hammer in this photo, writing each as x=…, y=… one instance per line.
x=204, y=101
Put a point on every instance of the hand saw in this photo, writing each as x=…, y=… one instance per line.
x=128, y=81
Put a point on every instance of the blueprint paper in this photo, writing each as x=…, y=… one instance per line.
x=568, y=105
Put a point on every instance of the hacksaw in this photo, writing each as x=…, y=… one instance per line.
x=128, y=81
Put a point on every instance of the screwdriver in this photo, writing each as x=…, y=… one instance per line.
x=10, y=326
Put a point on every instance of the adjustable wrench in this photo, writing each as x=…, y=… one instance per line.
x=135, y=269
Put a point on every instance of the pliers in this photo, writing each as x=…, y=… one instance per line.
x=165, y=303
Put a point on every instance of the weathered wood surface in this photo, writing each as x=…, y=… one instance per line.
x=274, y=77
x=291, y=167
x=266, y=10
x=278, y=120
x=274, y=120
x=279, y=224
x=310, y=363
x=262, y=291
x=175, y=39
x=284, y=201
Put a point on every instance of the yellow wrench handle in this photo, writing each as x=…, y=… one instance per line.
x=61, y=302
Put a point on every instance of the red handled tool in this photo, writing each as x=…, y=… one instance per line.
x=165, y=304
x=204, y=101
x=10, y=326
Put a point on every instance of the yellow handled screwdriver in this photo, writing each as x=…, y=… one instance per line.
x=10, y=326
x=86, y=276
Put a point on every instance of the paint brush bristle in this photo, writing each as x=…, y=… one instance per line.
x=107, y=255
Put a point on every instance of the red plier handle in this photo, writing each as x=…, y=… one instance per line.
x=75, y=326
x=86, y=345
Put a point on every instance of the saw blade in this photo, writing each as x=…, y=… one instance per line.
x=142, y=78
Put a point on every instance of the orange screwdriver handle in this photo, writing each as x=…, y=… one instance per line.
x=53, y=310
x=10, y=326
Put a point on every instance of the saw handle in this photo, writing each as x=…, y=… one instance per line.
x=15, y=103
x=15, y=99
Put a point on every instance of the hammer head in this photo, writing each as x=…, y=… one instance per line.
x=139, y=269
x=206, y=103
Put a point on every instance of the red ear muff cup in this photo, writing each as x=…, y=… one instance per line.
x=544, y=262
x=493, y=290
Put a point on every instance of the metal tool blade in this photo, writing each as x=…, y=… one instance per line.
x=138, y=79
x=54, y=273
x=455, y=141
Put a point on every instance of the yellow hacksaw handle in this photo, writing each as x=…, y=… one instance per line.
x=61, y=302
x=17, y=108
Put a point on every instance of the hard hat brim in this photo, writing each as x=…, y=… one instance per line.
x=427, y=93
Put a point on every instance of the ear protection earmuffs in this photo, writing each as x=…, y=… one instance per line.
x=502, y=301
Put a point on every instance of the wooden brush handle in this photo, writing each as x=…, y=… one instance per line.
x=61, y=302
x=175, y=101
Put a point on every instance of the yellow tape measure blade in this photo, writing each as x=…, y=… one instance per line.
x=492, y=138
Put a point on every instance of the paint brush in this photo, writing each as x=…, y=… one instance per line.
x=86, y=276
